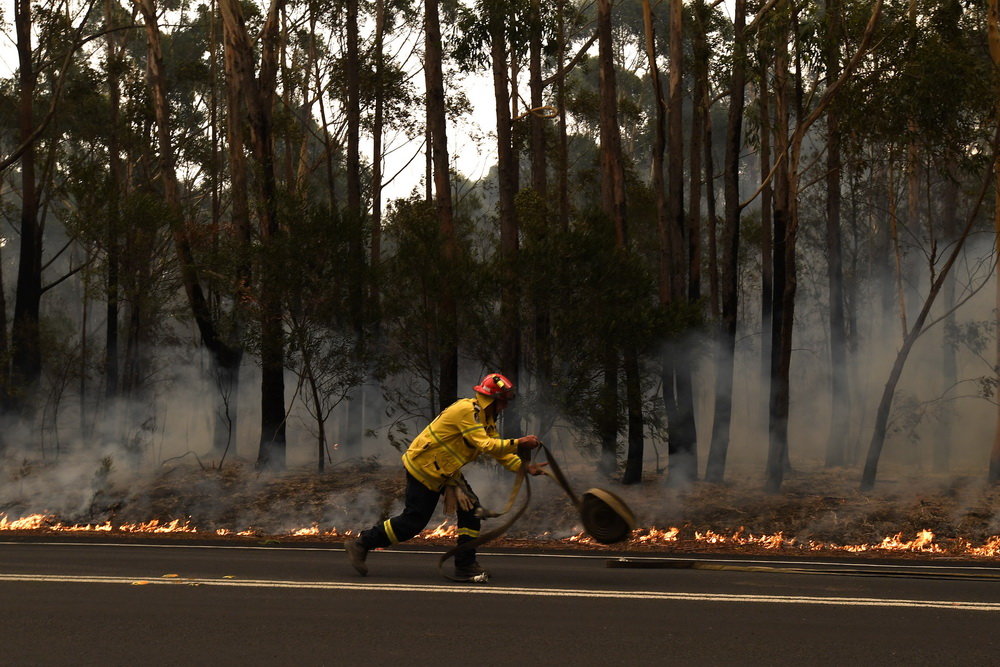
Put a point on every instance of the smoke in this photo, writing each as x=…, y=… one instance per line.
x=152, y=457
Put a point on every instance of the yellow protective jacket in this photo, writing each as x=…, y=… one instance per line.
x=457, y=436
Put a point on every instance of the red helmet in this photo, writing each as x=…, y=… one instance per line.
x=496, y=385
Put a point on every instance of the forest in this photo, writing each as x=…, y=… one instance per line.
x=714, y=238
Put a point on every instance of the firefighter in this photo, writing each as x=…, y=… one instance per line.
x=433, y=465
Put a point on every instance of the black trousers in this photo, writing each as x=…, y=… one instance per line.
x=420, y=503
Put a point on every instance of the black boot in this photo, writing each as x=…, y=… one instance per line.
x=357, y=555
x=472, y=572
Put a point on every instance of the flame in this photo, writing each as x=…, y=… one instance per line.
x=225, y=532
x=657, y=536
x=922, y=542
x=33, y=522
x=155, y=526
x=444, y=530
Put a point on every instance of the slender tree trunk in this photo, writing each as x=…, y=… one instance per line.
x=27, y=359
x=510, y=339
x=675, y=155
x=779, y=396
x=840, y=406
x=699, y=115
x=448, y=341
x=942, y=443
x=993, y=32
x=329, y=148
x=378, y=129
x=355, y=218
x=562, y=152
x=897, y=250
x=540, y=184
x=716, y=467
x=791, y=147
x=227, y=366
x=539, y=175
x=715, y=308
x=676, y=371
x=259, y=95
x=665, y=238
x=225, y=357
x=767, y=228
x=613, y=204
x=115, y=180
x=659, y=148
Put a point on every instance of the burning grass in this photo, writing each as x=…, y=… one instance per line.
x=817, y=514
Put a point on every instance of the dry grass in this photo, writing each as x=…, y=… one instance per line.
x=824, y=509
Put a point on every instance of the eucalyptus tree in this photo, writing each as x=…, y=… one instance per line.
x=729, y=287
x=941, y=101
x=257, y=92
x=62, y=39
x=438, y=149
x=494, y=35
x=789, y=144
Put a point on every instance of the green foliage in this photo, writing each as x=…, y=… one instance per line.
x=413, y=278
x=323, y=341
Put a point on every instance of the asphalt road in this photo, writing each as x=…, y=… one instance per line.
x=184, y=604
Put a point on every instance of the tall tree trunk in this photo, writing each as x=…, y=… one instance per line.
x=436, y=123
x=378, y=129
x=329, y=147
x=676, y=369
x=766, y=226
x=699, y=106
x=840, y=406
x=227, y=366
x=510, y=343
x=225, y=357
x=659, y=148
x=562, y=152
x=539, y=175
x=355, y=220
x=540, y=184
x=665, y=238
x=942, y=443
x=26, y=354
x=791, y=147
x=778, y=395
x=993, y=32
x=613, y=202
x=715, y=309
x=115, y=180
x=716, y=466
x=259, y=94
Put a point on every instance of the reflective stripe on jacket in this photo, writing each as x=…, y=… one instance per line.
x=457, y=436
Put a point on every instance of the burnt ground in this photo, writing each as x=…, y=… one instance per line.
x=816, y=514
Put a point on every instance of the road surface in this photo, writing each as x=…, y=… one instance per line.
x=200, y=604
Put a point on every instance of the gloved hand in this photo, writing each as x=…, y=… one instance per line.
x=465, y=501
x=528, y=441
x=535, y=469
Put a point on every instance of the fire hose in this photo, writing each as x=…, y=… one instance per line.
x=605, y=517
